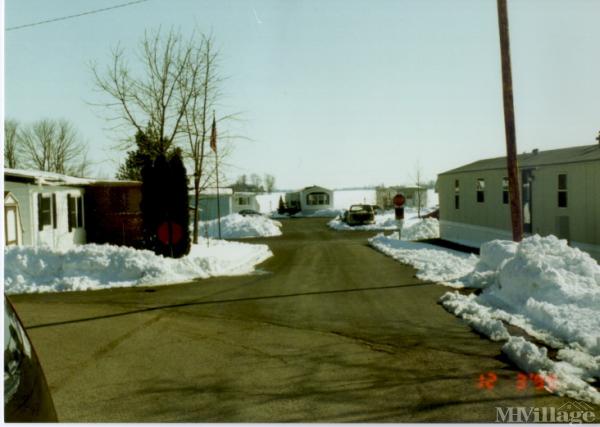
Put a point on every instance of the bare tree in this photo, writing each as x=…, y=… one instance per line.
x=157, y=97
x=256, y=182
x=269, y=181
x=419, y=182
x=201, y=83
x=11, y=155
x=174, y=95
x=53, y=146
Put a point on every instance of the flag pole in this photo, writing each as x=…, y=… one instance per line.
x=213, y=145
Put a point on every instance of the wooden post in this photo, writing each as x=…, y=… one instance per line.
x=509, y=125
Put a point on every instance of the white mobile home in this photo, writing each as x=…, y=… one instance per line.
x=243, y=200
x=50, y=208
x=310, y=199
x=560, y=192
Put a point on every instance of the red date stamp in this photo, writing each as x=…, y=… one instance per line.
x=488, y=381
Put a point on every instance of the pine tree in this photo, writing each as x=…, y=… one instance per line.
x=145, y=147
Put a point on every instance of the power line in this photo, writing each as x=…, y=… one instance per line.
x=62, y=18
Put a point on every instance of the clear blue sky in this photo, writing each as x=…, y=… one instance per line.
x=336, y=93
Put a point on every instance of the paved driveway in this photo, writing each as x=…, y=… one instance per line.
x=329, y=330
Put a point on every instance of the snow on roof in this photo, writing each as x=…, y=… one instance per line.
x=579, y=154
x=48, y=178
x=51, y=178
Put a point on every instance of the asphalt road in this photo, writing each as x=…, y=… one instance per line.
x=330, y=330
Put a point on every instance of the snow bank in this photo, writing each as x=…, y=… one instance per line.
x=541, y=285
x=236, y=226
x=432, y=262
x=89, y=267
x=428, y=228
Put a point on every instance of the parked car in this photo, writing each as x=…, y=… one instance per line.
x=26, y=394
x=249, y=212
x=359, y=215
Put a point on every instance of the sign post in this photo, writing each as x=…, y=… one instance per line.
x=399, y=201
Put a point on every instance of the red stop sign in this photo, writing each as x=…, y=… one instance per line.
x=399, y=200
x=163, y=233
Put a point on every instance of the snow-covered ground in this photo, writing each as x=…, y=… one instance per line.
x=236, y=226
x=87, y=267
x=541, y=285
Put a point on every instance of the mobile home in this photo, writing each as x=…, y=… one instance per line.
x=50, y=208
x=560, y=192
x=310, y=199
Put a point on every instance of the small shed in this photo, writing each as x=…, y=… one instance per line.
x=13, y=228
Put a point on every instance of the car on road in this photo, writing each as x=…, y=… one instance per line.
x=359, y=215
x=26, y=394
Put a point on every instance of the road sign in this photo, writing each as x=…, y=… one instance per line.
x=399, y=200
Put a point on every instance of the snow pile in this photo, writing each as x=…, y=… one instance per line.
x=541, y=285
x=236, y=226
x=428, y=228
x=87, y=267
x=433, y=263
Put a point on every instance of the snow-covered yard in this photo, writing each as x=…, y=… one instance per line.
x=236, y=226
x=88, y=267
x=541, y=285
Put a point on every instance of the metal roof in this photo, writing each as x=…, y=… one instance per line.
x=585, y=153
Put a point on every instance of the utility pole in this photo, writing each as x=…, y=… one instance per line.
x=509, y=125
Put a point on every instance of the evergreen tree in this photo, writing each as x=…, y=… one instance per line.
x=165, y=206
x=145, y=148
x=150, y=204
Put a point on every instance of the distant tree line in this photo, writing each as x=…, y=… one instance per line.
x=254, y=183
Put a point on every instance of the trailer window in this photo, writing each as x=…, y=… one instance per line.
x=562, y=191
x=317, y=199
x=480, y=190
x=456, y=194
x=505, y=190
